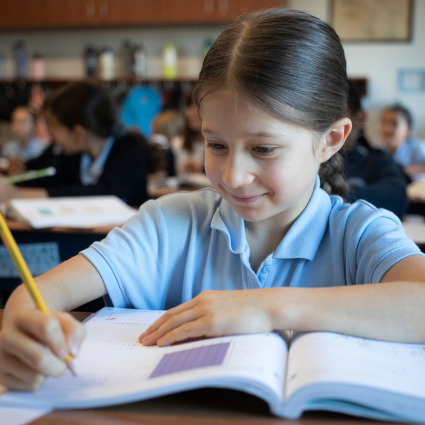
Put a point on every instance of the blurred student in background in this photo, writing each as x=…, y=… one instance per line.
x=24, y=145
x=370, y=173
x=90, y=151
x=396, y=134
x=167, y=126
x=189, y=149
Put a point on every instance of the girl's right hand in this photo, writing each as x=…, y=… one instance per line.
x=33, y=346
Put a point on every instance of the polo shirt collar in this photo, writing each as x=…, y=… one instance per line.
x=227, y=221
x=90, y=171
x=301, y=241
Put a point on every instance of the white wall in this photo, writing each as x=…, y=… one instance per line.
x=378, y=62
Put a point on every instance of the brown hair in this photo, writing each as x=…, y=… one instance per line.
x=190, y=137
x=291, y=65
x=85, y=104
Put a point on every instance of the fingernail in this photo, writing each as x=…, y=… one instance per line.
x=75, y=349
x=63, y=353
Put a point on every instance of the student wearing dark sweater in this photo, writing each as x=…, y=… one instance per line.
x=92, y=156
x=371, y=174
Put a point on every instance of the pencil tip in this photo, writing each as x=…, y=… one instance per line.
x=71, y=368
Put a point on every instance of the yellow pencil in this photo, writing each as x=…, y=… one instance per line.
x=26, y=275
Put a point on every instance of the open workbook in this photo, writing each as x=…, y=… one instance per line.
x=75, y=211
x=317, y=371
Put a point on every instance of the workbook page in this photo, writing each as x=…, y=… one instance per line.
x=333, y=358
x=113, y=365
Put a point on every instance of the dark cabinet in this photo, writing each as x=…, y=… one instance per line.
x=204, y=11
x=128, y=12
x=23, y=14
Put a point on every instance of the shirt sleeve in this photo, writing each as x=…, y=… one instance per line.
x=132, y=260
x=380, y=242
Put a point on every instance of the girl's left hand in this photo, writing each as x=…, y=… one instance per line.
x=211, y=314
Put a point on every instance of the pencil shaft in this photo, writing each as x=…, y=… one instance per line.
x=31, y=175
x=21, y=266
x=26, y=275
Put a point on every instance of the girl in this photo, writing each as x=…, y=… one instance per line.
x=95, y=157
x=269, y=248
x=396, y=129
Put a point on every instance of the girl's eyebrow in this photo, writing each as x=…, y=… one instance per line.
x=207, y=130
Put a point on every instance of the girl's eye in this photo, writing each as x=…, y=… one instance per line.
x=264, y=150
x=216, y=146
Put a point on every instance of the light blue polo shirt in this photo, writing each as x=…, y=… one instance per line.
x=186, y=243
x=410, y=152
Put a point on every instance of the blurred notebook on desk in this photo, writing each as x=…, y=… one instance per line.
x=83, y=212
x=314, y=371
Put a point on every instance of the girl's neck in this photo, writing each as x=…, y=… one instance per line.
x=94, y=145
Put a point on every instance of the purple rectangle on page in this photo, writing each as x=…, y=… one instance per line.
x=193, y=358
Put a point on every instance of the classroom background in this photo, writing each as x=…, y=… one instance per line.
x=62, y=40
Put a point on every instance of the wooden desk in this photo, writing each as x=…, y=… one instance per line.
x=206, y=407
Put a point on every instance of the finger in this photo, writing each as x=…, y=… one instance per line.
x=45, y=328
x=13, y=383
x=166, y=316
x=36, y=356
x=73, y=330
x=172, y=323
x=14, y=367
x=193, y=329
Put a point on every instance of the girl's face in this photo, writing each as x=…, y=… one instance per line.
x=394, y=129
x=261, y=165
x=68, y=140
x=22, y=125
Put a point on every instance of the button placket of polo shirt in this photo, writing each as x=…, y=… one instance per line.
x=249, y=276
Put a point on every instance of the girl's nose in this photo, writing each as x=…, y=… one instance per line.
x=236, y=173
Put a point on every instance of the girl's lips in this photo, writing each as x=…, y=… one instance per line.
x=246, y=199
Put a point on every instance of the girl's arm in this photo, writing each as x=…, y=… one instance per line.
x=33, y=344
x=392, y=310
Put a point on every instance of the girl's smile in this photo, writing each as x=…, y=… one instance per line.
x=246, y=199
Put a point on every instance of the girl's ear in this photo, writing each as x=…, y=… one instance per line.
x=333, y=140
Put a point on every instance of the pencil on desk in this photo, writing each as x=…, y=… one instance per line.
x=31, y=175
x=26, y=275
